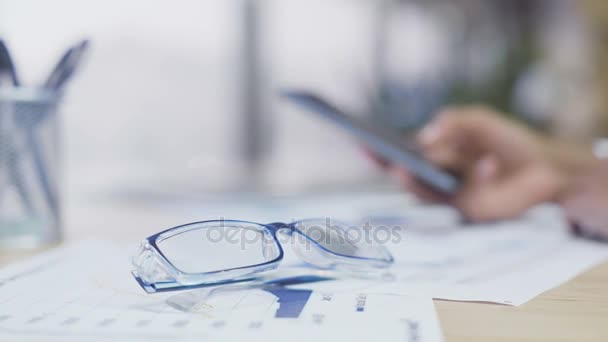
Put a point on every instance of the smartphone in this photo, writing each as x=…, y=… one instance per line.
x=385, y=142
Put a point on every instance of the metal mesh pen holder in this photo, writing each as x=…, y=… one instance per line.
x=30, y=213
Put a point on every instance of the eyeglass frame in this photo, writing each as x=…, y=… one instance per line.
x=176, y=279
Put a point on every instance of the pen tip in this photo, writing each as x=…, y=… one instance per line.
x=286, y=93
x=84, y=44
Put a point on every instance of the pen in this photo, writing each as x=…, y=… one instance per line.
x=62, y=72
x=7, y=64
x=10, y=155
x=66, y=66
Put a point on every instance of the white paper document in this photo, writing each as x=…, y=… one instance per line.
x=436, y=255
x=86, y=291
x=508, y=263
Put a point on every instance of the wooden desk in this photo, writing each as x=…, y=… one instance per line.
x=575, y=311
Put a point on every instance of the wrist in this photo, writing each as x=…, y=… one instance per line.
x=569, y=159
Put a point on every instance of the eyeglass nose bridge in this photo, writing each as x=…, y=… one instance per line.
x=275, y=227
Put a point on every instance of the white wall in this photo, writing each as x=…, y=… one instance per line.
x=156, y=105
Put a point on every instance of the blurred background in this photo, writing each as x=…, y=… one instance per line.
x=180, y=97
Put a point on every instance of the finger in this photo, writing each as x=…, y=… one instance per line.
x=450, y=141
x=473, y=126
x=446, y=128
x=448, y=157
x=487, y=201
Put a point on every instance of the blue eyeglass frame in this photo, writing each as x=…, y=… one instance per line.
x=155, y=273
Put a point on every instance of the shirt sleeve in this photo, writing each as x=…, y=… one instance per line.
x=600, y=149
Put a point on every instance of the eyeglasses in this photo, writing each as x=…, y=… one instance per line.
x=211, y=253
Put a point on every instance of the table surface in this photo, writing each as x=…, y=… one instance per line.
x=574, y=311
